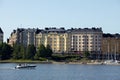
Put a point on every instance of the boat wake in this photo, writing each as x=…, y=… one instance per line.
x=6, y=68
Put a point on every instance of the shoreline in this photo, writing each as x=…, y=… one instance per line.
x=95, y=62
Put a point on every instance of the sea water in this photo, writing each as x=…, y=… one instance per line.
x=60, y=72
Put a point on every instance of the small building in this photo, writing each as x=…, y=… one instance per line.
x=111, y=46
x=1, y=35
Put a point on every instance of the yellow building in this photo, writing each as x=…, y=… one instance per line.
x=58, y=39
x=13, y=38
x=111, y=43
x=111, y=46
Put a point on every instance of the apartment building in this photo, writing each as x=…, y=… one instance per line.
x=22, y=36
x=58, y=39
x=1, y=35
x=87, y=39
x=61, y=40
x=13, y=38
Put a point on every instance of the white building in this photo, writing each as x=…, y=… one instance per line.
x=86, y=39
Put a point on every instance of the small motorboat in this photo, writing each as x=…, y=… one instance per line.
x=22, y=66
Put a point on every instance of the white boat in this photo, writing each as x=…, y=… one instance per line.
x=111, y=62
x=22, y=66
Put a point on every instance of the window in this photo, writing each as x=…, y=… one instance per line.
x=54, y=44
x=91, y=46
x=76, y=42
x=91, y=42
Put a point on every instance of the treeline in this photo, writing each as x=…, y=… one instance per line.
x=20, y=52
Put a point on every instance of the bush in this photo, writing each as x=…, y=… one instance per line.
x=42, y=59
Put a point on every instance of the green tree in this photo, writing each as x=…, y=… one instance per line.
x=0, y=51
x=48, y=51
x=5, y=51
x=40, y=52
x=86, y=54
x=16, y=51
x=31, y=50
x=22, y=53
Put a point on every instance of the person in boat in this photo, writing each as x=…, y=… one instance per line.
x=19, y=64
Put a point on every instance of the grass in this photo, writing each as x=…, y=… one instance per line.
x=23, y=61
x=86, y=60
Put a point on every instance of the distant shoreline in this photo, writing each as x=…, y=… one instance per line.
x=50, y=61
x=23, y=61
x=95, y=62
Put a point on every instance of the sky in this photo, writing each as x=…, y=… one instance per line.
x=59, y=13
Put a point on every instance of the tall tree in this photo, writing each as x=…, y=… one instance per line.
x=16, y=52
x=48, y=51
x=5, y=51
x=22, y=52
x=31, y=50
x=0, y=51
x=40, y=52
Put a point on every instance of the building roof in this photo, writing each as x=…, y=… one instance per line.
x=76, y=30
x=1, y=30
x=48, y=30
x=38, y=31
x=60, y=30
x=111, y=35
